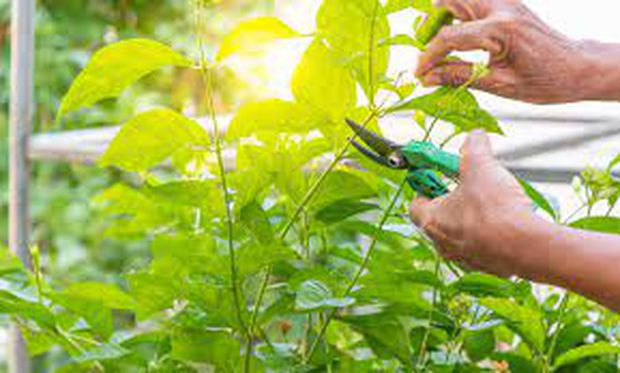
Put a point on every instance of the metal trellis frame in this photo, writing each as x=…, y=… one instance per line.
x=20, y=118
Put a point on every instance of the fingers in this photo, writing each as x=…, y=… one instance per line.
x=468, y=10
x=457, y=73
x=475, y=152
x=461, y=37
x=419, y=211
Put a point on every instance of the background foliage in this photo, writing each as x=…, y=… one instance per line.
x=264, y=244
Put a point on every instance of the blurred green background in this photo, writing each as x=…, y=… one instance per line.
x=65, y=224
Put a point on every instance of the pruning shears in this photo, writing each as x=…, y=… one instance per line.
x=423, y=160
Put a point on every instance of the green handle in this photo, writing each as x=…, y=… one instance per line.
x=426, y=155
x=434, y=22
x=426, y=161
x=427, y=183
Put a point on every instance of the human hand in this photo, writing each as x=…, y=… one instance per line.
x=529, y=61
x=479, y=221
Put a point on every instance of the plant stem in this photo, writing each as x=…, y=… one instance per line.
x=315, y=187
x=371, y=52
x=387, y=213
x=307, y=198
x=554, y=339
x=427, y=332
x=459, y=89
x=208, y=82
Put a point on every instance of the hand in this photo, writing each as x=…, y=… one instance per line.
x=473, y=224
x=529, y=61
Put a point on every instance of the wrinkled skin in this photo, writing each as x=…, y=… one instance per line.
x=529, y=61
x=487, y=223
x=467, y=224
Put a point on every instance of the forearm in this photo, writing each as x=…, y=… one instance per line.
x=584, y=262
x=599, y=71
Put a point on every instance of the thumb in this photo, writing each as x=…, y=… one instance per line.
x=475, y=152
x=419, y=211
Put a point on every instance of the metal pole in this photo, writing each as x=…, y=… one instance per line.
x=21, y=112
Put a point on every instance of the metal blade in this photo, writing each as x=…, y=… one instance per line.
x=383, y=147
x=375, y=157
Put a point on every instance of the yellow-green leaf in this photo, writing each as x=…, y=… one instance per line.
x=454, y=105
x=107, y=295
x=115, y=67
x=525, y=321
x=150, y=138
x=272, y=116
x=250, y=35
x=585, y=351
x=357, y=40
x=322, y=82
x=603, y=224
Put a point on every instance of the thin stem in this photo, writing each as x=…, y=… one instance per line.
x=427, y=332
x=554, y=339
x=371, y=52
x=360, y=270
x=208, y=82
x=459, y=89
x=572, y=215
x=315, y=187
x=448, y=139
x=307, y=198
x=69, y=338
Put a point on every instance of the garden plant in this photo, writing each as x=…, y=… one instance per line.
x=276, y=246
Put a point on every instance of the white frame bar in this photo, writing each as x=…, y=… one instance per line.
x=20, y=120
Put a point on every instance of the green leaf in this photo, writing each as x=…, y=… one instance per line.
x=403, y=39
x=479, y=344
x=153, y=293
x=98, y=317
x=272, y=117
x=253, y=257
x=586, y=351
x=393, y=6
x=134, y=213
x=249, y=36
x=572, y=335
x=11, y=269
x=11, y=304
x=483, y=285
x=603, y=224
x=385, y=334
x=517, y=363
x=322, y=82
x=614, y=163
x=115, y=67
x=343, y=209
x=149, y=138
x=357, y=40
x=107, y=295
x=217, y=348
x=188, y=254
x=314, y=295
x=454, y=105
x=526, y=322
x=255, y=219
x=203, y=194
x=105, y=351
x=343, y=185
x=538, y=199
x=39, y=341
